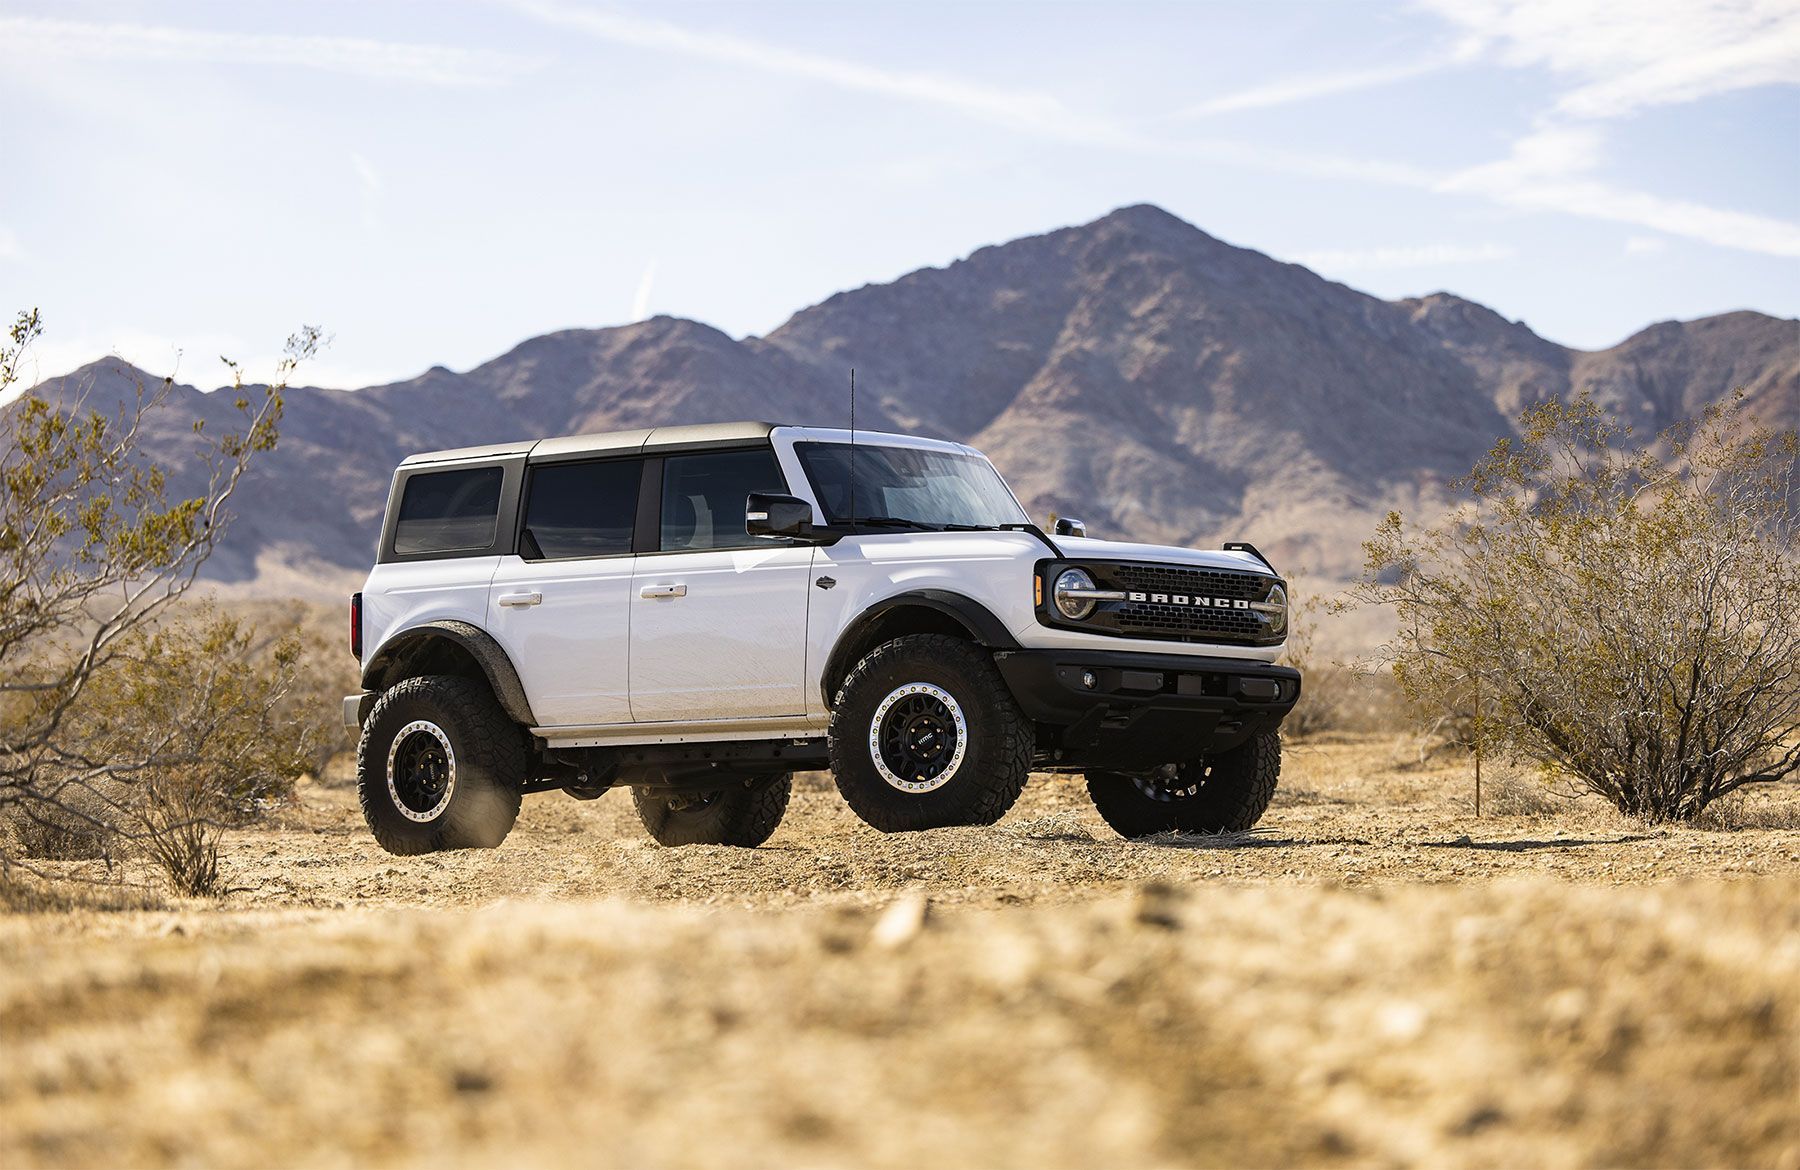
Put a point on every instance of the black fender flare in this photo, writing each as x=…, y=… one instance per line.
x=502, y=678
x=976, y=619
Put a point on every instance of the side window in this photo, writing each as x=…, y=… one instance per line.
x=448, y=511
x=703, y=497
x=580, y=509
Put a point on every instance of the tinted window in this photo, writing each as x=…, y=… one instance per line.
x=580, y=509
x=448, y=511
x=703, y=497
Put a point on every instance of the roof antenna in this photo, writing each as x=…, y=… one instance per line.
x=853, y=448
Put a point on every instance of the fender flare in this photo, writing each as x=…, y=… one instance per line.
x=976, y=620
x=502, y=678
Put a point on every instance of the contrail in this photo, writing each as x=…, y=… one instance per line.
x=640, y=306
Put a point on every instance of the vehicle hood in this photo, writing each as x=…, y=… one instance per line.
x=1088, y=548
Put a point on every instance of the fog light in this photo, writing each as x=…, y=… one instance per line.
x=1088, y=680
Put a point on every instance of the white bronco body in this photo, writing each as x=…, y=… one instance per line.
x=661, y=608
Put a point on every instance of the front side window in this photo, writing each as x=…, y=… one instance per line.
x=908, y=487
x=448, y=511
x=580, y=509
x=703, y=497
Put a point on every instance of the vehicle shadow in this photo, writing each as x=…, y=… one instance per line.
x=1529, y=845
x=1250, y=840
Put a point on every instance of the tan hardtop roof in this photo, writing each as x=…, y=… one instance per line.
x=607, y=443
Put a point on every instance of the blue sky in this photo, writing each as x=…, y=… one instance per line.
x=435, y=181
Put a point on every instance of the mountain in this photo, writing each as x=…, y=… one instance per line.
x=1133, y=371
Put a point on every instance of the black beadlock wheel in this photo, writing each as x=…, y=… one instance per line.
x=924, y=735
x=439, y=766
x=1227, y=792
x=743, y=813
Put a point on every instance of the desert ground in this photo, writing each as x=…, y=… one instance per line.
x=1375, y=977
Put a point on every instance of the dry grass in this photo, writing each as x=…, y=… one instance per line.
x=1375, y=977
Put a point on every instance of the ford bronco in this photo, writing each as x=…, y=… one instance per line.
x=697, y=612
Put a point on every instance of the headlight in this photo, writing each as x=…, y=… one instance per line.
x=1274, y=609
x=1071, y=584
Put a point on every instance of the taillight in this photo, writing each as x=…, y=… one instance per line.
x=356, y=624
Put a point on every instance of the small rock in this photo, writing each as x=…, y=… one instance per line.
x=900, y=922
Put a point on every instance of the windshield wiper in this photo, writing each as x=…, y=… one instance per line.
x=892, y=522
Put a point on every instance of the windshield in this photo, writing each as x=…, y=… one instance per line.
x=909, y=487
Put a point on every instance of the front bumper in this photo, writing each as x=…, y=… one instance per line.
x=1145, y=710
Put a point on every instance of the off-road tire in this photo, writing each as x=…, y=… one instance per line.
x=996, y=755
x=744, y=813
x=490, y=766
x=1232, y=790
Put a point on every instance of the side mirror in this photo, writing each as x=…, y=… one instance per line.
x=768, y=514
x=1069, y=526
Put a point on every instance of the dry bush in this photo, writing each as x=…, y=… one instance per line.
x=201, y=711
x=93, y=554
x=1740, y=811
x=1628, y=619
x=1509, y=793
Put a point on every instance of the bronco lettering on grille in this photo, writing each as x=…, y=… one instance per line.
x=1184, y=599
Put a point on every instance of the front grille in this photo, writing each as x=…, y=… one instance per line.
x=1180, y=622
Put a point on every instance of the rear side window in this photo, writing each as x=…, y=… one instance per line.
x=580, y=509
x=703, y=497
x=448, y=511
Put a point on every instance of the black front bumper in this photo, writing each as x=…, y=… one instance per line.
x=1144, y=710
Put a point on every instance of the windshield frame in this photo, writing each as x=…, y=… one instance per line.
x=872, y=520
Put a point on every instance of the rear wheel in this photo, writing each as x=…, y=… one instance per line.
x=1226, y=792
x=439, y=766
x=743, y=813
x=924, y=734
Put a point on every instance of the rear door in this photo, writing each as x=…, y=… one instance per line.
x=718, y=618
x=560, y=601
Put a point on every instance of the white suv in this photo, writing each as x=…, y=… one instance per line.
x=697, y=612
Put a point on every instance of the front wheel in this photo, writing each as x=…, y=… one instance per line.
x=439, y=766
x=743, y=813
x=1226, y=792
x=924, y=734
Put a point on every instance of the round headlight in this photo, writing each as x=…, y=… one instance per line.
x=1073, y=608
x=1276, y=611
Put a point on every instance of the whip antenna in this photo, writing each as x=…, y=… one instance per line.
x=853, y=448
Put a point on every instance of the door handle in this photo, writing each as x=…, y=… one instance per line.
x=520, y=599
x=663, y=591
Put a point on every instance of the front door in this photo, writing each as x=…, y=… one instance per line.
x=718, y=618
x=560, y=605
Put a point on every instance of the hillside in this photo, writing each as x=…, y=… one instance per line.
x=1133, y=371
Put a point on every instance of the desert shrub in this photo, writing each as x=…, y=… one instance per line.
x=1512, y=794
x=199, y=709
x=1630, y=619
x=93, y=554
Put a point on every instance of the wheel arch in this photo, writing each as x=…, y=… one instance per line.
x=922, y=611
x=454, y=648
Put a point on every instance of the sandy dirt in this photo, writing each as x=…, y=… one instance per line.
x=1374, y=978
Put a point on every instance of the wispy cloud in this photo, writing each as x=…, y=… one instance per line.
x=1550, y=170
x=1620, y=59
x=1625, y=57
x=1308, y=87
x=1027, y=110
x=35, y=38
x=1020, y=108
x=1408, y=256
x=1645, y=245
